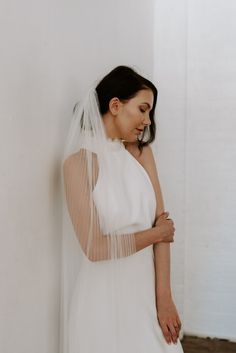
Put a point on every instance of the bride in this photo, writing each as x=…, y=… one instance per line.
x=116, y=293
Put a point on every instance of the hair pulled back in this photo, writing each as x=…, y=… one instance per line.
x=124, y=83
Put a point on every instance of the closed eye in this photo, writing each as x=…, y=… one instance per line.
x=143, y=111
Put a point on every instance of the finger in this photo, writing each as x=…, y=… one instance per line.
x=164, y=214
x=179, y=323
x=170, y=219
x=177, y=327
x=166, y=332
x=173, y=332
x=167, y=336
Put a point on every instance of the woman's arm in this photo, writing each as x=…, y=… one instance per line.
x=167, y=313
x=84, y=217
x=161, y=250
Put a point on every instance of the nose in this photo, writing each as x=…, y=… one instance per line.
x=147, y=120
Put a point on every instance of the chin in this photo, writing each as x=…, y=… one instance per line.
x=131, y=138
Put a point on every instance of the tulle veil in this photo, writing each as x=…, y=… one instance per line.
x=90, y=241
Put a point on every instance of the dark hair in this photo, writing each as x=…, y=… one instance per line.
x=124, y=83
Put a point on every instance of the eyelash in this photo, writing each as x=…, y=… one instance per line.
x=143, y=111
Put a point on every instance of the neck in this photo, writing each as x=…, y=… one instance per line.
x=110, y=127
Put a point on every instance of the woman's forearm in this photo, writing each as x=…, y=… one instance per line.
x=146, y=238
x=162, y=269
x=130, y=243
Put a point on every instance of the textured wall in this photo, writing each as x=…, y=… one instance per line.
x=195, y=64
x=51, y=52
x=170, y=76
x=211, y=170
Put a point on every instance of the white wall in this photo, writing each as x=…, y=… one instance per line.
x=195, y=64
x=169, y=74
x=211, y=169
x=51, y=52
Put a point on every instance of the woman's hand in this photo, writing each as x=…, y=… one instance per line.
x=165, y=228
x=168, y=319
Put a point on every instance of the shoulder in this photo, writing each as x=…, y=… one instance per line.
x=77, y=163
x=146, y=157
x=79, y=157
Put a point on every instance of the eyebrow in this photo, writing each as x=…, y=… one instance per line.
x=147, y=104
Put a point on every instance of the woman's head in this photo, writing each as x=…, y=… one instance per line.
x=130, y=100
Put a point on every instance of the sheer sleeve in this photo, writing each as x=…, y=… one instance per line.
x=79, y=183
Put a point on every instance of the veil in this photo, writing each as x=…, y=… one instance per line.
x=94, y=247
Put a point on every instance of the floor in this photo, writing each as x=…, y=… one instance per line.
x=192, y=344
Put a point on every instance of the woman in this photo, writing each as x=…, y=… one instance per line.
x=116, y=295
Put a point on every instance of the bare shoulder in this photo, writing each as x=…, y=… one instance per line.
x=78, y=157
x=77, y=162
x=146, y=157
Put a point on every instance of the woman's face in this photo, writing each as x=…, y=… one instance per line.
x=132, y=116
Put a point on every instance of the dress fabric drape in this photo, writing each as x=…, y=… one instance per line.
x=116, y=313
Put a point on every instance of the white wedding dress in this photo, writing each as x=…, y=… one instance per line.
x=135, y=329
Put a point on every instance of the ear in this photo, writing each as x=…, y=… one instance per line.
x=114, y=106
